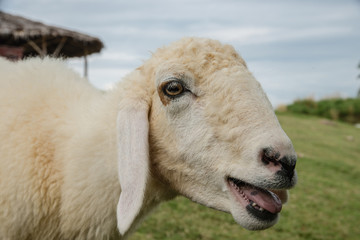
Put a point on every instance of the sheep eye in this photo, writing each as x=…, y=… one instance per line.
x=173, y=89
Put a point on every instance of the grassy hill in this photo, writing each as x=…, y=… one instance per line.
x=324, y=205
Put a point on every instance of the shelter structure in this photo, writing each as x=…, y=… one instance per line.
x=21, y=37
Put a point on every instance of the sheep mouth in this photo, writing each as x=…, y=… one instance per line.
x=259, y=202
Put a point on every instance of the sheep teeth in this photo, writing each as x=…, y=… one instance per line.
x=239, y=191
x=261, y=209
x=254, y=204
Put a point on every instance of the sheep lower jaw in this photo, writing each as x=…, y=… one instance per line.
x=261, y=204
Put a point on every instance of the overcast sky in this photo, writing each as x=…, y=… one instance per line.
x=295, y=49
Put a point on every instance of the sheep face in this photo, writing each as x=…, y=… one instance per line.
x=214, y=136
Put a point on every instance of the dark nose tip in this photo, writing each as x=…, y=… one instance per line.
x=288, y=164
x=285, y=164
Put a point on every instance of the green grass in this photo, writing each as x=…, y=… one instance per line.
x=324, y=205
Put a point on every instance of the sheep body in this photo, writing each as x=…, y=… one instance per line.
x=48, y=116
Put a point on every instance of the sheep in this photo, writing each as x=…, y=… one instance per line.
x=78, y=163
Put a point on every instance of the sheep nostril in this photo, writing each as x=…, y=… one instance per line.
x=269, y=156
x=272, y=160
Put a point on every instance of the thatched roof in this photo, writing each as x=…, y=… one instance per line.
x=36, y=38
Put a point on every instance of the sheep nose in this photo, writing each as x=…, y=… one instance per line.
x=282, y=164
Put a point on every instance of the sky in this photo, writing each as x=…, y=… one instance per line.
x=296, y=49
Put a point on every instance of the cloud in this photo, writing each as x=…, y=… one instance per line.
x=294, y=48
x=284, y=81
x=261, y=35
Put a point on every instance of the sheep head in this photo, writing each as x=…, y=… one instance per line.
x=213, y=134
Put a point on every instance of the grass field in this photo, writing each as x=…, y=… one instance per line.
x=324, y=205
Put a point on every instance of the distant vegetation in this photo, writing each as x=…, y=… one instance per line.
x=346, y=110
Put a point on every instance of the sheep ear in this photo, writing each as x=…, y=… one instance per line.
x=133, y=163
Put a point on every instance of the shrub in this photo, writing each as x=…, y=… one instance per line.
x=347, y=110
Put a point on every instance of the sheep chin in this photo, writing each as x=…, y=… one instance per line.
x=249, y=221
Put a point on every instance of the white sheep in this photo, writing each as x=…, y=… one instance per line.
x=77, y=163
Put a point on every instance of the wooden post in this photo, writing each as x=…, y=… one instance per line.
x=44, y=47
x=85, y=63
x=36, y=48
x=59, y=47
